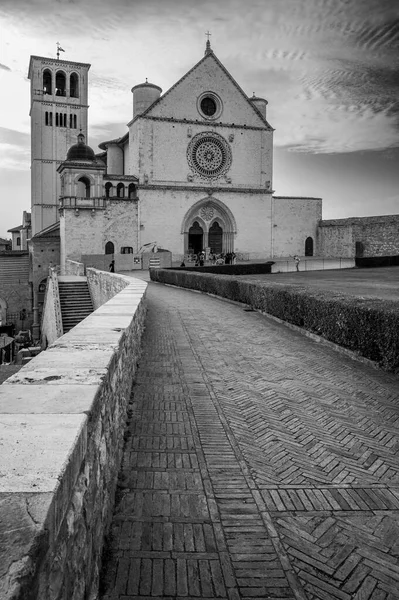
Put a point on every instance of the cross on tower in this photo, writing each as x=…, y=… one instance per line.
x=208, y=34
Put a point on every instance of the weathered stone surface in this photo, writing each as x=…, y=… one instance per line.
x=64, y=438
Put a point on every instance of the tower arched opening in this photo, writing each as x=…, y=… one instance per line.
x=60, y=84
x=47, y=82
x=132, y=191
x=108, y=189
x=74, y=86
x=120, y=190
x=83, y=187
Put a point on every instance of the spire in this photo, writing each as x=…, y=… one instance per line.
x=208, y=48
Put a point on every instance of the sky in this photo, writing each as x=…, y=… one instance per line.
x=328, y=68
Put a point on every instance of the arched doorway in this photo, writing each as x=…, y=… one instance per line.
x=195, y=238
x=109, y=248
x=359, y=249
x=215, y=238
x=309, y=246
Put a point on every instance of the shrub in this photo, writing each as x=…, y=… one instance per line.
x=367, y=326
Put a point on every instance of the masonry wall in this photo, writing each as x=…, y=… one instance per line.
x=87, y=232
x=163, y=213
x=15, y=289
x=378, y=236
x=294, y=220
x=62, y=419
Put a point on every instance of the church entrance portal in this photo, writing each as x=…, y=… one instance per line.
x=215, y=238
x=195, y=238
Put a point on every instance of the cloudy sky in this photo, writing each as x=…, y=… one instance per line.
x=329, y=69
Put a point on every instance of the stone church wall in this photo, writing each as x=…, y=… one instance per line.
x=294, y=220
x=364, y=236
x=163, y=212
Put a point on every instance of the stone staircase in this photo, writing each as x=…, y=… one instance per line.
x=75, y=301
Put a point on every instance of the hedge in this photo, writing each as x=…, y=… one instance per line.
x=240, y=269
x=367, y=326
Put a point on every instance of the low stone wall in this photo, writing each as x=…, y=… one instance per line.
x=62, y=420
x=72, y=267
x=367, y=326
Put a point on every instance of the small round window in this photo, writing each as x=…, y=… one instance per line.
x=209, y=106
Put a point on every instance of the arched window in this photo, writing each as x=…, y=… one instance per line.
x=70, y=121
x=74, y=86
x=108, y=189
x=46, y=117
x=60, y=84
x=18, y=241
x=83, y=188
x=56, y=119
x=109, y=248
x=120, y=190
x=132, y=191
x=47, y=87
x=309, y=246
x=65, y=120
x=126, y=250
x=74, y=122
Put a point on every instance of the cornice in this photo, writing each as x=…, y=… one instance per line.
x=206, y=189
x=208, y=124
x=62, y=104
x=120, y=177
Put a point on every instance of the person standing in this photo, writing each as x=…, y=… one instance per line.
x=112, y=266
x=297, y=260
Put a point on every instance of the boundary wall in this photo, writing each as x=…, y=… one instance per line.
x=62, y=420
x=366, y=326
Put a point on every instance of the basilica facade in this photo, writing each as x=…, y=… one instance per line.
x=193, y=172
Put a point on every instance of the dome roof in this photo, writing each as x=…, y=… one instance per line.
x=80, y=151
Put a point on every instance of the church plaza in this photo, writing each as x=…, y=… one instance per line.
x=257, y=463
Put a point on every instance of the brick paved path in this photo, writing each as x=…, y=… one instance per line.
x=258, y=463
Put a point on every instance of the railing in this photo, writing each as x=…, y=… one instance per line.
x=82, y=202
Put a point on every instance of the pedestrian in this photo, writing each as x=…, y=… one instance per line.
x=202, y=259
x=183, y=264
x=196, y=256
x=112, y=266
x=297, y=260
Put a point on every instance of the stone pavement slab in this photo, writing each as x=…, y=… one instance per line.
x=257, y=463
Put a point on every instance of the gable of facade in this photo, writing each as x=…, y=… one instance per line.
x=183, y=100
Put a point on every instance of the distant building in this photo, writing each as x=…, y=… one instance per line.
x=5, y=245
x=21, y=234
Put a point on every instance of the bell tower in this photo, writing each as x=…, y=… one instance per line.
x=59, y=107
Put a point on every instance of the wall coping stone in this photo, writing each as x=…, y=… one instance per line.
x=47, y=412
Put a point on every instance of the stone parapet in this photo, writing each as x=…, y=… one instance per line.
x=62, y=419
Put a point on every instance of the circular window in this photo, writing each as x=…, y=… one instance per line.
x=209, y=105
x=209, y=155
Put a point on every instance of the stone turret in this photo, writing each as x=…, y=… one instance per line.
x=144, y=94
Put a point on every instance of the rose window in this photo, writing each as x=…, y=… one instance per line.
x=209, y=155
x=207, y=212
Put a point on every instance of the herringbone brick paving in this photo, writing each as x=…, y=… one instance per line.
x=258, y=463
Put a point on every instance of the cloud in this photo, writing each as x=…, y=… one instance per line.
x=4, y=67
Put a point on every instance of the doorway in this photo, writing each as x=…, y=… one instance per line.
x=195, y=238
x=309, y=246
x=215, y=238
